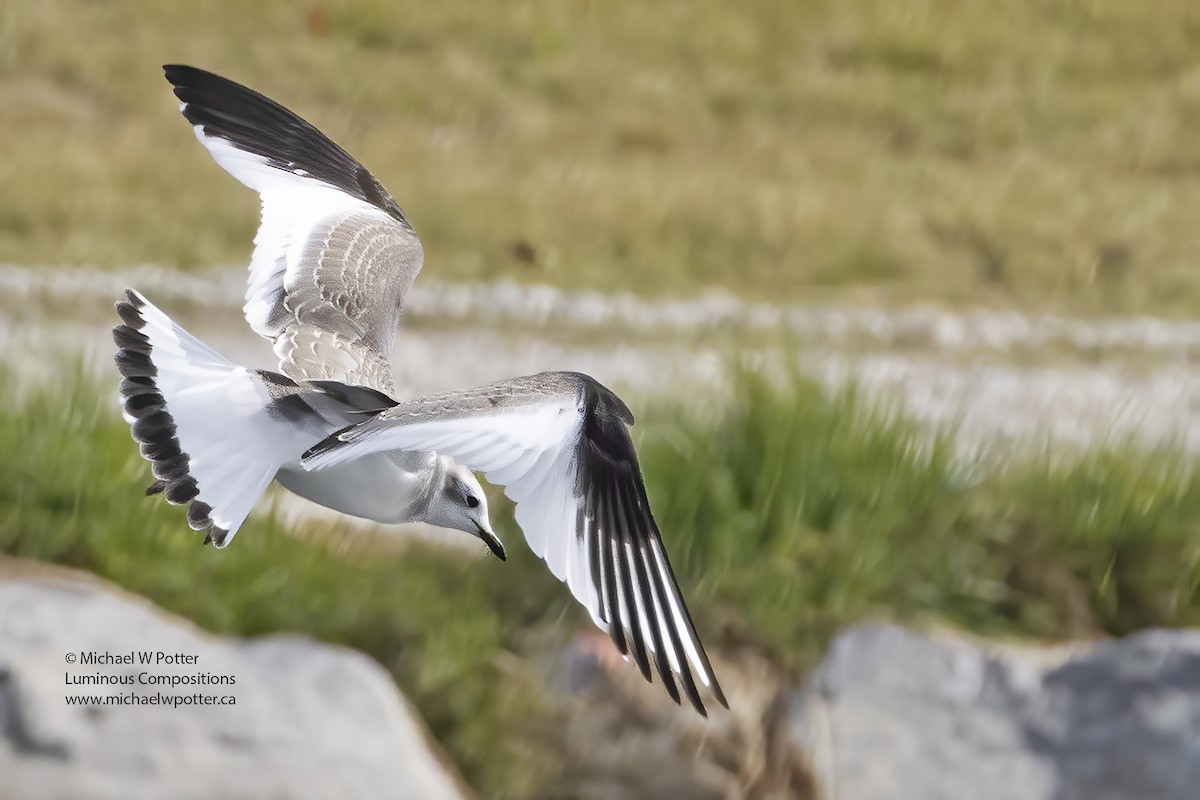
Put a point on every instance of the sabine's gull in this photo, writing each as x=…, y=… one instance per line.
x=333, y=259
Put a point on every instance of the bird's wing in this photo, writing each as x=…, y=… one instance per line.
x=559, y=444
x=334, y=255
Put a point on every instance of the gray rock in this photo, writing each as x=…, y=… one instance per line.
x=895, y=714
x=310, y=720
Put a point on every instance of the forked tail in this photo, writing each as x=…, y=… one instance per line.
x=211, y=429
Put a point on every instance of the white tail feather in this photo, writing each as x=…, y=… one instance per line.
x=202, y=421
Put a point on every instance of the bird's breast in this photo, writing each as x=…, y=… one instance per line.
x=373, y=487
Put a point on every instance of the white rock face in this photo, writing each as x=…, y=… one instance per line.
x=310, y=720
x=894, y=714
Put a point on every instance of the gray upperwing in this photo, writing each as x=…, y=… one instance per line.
x=337, y=315
x=527, y=391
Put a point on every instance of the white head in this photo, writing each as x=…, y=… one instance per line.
x=460, y=503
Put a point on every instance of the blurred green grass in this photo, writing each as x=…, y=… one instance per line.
x=1021, y=152
x=791, y=515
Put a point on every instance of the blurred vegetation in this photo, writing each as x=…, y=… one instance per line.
x=982, y=152
x=791, y=515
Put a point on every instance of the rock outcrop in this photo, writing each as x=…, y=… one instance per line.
x=309, y=720
x=894, y=714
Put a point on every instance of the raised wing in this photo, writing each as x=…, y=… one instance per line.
x=334, y=255
x=559, y=444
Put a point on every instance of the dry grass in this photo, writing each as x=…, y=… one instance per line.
x=983, y=152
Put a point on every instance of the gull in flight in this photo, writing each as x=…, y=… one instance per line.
x=333, y=260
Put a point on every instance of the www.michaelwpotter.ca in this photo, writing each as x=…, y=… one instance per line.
x=136, y=657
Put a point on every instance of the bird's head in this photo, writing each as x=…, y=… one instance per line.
x=461, y=504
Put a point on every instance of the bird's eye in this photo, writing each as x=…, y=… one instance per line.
x=472, y=501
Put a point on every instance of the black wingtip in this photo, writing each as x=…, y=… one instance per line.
x=651, y=632
x=181, y=74
x=715, y=689
x=256, y=124
x=669, y=683
x=689, y=688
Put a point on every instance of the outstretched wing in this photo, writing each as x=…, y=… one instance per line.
x=559, y=444
x=334, y=255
